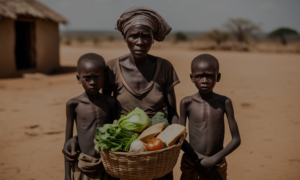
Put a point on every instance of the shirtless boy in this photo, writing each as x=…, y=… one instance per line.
x=205, y=111
x=89, y=110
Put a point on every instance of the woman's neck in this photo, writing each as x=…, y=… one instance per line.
x=138, y=62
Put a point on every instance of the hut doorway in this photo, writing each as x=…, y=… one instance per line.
x=25, y=44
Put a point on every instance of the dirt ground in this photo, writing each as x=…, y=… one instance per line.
x=263, y=88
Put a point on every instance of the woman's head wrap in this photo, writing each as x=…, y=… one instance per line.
x=144, y=16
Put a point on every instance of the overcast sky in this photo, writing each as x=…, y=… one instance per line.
x=182, y=15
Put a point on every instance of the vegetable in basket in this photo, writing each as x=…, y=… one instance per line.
x=160, y=117
x=155, y=144
x=137, y=146
x=114, y=138
x=136, y=120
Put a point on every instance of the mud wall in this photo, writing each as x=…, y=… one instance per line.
x=7, y=48
x=47, y=46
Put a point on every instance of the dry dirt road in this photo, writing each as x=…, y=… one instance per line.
x=264, y=89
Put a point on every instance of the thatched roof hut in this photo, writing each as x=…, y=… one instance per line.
x=29, y=37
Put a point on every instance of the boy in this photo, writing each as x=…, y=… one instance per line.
x=205, y=111
x=89, y=110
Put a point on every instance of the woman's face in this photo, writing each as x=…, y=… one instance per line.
x=139, y=39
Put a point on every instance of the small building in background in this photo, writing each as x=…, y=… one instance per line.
x=29, y=38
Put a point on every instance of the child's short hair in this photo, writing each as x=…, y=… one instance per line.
x=91, y=57
x=206, y=58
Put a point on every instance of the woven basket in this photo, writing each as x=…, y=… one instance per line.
x=146, y=165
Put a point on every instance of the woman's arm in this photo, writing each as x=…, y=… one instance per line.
x=171, y=106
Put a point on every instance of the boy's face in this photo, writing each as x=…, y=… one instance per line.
x=91, y=77
x=205, y=76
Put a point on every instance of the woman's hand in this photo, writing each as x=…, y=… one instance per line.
x=70, y=150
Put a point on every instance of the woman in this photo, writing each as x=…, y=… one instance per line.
x=139, y=79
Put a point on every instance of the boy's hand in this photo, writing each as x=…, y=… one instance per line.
x=199, y=168
x=208, y=162
x=204, y=164
x=70, y=150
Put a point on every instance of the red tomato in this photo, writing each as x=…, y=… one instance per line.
x=155, y=144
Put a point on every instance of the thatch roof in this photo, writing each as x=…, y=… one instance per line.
x=14, y=8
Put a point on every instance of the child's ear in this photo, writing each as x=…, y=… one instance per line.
x=219, y=77
x=192, y=79
x=78, y=79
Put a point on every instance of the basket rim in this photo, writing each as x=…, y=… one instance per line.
x=182, y=138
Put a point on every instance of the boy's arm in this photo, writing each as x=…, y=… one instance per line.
x=233, y=144
x=106, y=91
x=70, y=111
x=113, y=104
x=186, y=147
x=171, y=106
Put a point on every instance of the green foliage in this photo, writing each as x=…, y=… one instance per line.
x=111, y=38
x=241, y=28
x=96, y=40
x=160, y=117
x=81, y=39
x=217, y=35
x=114, y=138
x=180, y=36
x=136, y=120
x=68, y=40
x=281, y=33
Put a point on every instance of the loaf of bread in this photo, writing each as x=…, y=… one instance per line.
x=151, y=132
x=171, y=134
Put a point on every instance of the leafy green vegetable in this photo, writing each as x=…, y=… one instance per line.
x=136, y=120
x=134, y=137
x=165, y=145
x=113, y=137
x=160, y=117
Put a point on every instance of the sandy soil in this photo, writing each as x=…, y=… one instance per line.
x=263, y=87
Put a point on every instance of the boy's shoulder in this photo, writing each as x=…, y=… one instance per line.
x=220, y=97
x=76, y=100
x=109, y=99
x=224, y=100
x=188, y=99
x=194, y=97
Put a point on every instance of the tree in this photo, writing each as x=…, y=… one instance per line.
x=68, y=40
x=96, y=40
x=179, y=36
x=281, y=33
x=241, y=28
x=217, y=36
x=81, y=39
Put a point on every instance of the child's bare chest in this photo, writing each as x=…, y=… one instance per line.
x=205, y=113
x=90, y=115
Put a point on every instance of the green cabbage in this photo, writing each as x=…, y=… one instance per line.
x=136, y=120
x=113, y=138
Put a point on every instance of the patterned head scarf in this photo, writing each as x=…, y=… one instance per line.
x=144, y=16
